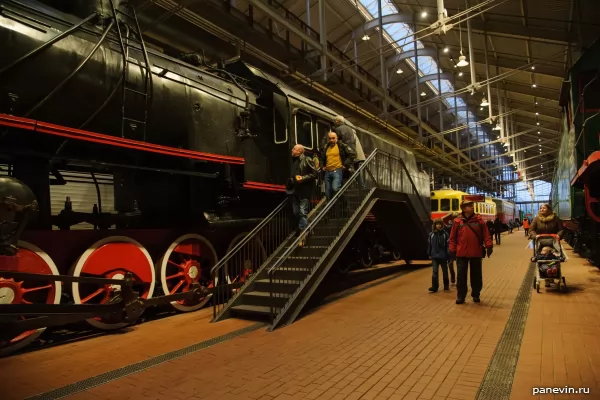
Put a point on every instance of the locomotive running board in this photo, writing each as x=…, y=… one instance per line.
x=78, y=134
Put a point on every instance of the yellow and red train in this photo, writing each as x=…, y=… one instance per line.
x=446, y=202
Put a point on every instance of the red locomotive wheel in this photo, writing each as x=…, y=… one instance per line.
x=188, y=259
x=30, y=259
x=245, y=262
x=112, y=258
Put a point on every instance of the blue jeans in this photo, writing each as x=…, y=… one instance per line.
x=300, y=209
x=333, y=182
x=435, y=280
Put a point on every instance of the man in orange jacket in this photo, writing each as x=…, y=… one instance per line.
x=469, y=243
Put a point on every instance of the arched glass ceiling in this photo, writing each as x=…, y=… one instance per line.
x=401, y=37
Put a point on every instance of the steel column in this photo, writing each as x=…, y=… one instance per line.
x=382, y=77
x=322, y=37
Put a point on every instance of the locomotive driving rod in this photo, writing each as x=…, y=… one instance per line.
x=127, y=306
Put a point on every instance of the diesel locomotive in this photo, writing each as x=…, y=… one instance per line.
x=122, y=164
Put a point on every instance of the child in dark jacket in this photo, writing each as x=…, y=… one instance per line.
x=438, y=253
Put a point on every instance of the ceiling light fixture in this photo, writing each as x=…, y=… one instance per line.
x=399, y=71
x=460, y=74
x=534, y=85
x=423, y=14
x=366, y=37
x=533, y=67
x=446, y=50
x=423, y=94
x=462, y=60
x=484, y=102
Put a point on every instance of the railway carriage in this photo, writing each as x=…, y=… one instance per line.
x=138, y=164
x=446, y=202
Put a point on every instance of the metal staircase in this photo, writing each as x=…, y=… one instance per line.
x=286, y=279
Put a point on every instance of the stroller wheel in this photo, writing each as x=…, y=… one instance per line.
x=564, y=284
x=537, y=287
x=534, y=281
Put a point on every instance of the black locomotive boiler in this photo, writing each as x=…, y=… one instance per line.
x=165, y=163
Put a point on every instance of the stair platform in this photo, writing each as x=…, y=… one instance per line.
x=391, y=341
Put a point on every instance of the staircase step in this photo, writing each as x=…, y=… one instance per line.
x=279, y=286
x=297, y=274
x=246, y=309
x=309, y=251
x=264, y=299
x=320, y=240
x=299, y=263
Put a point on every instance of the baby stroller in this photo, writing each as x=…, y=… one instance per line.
x=548, y=266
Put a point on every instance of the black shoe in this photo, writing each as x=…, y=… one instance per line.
x=460, y=301
x=446, y=288
x=452, y=281
x=476, y=299
x=432, y=290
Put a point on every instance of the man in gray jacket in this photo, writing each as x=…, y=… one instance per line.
x=344, y=132
x=360, y=158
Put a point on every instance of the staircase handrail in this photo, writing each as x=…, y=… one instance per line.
x=222, y=262
x=334, y=199
x=323, y=212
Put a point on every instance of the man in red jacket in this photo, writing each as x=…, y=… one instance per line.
x=468, y=238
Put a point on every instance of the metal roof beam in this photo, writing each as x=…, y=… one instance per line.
x=264, y=7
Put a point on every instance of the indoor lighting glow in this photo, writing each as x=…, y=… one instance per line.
x=533, y=67
x=462, y=60
x=423, y=94
x=537, y=113
x=460, y=74
x=366, y=37
x=399, y=71
x=534, y=85
x=539, y=140
x=480, y=108
x=538, y=123
x=424, y=14
x=446, y=50
x=484, y=102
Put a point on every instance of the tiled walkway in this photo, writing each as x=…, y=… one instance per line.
x=393, y=341
x=561, y=344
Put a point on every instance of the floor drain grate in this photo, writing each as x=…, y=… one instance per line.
x=498, y=380
x=101, y=379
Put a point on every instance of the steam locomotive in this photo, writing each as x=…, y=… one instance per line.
x=181, y=158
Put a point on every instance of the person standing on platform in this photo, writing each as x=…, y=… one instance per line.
x=451, y=260
x=300, y=186
x=437, y=251
x=336, y=158
x=497, y=229
x=469, y=242
x=526, y=226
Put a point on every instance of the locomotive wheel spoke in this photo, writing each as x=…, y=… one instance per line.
x=112, y=258
x=31, y=259
x=188, y=260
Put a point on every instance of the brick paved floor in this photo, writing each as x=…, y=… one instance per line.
x=560, y=344
x=39, y=371
x=394, y=341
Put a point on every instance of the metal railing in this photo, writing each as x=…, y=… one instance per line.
x=296, y=264
x=243, y=262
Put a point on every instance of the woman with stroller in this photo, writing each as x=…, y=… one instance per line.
x=546, y=223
